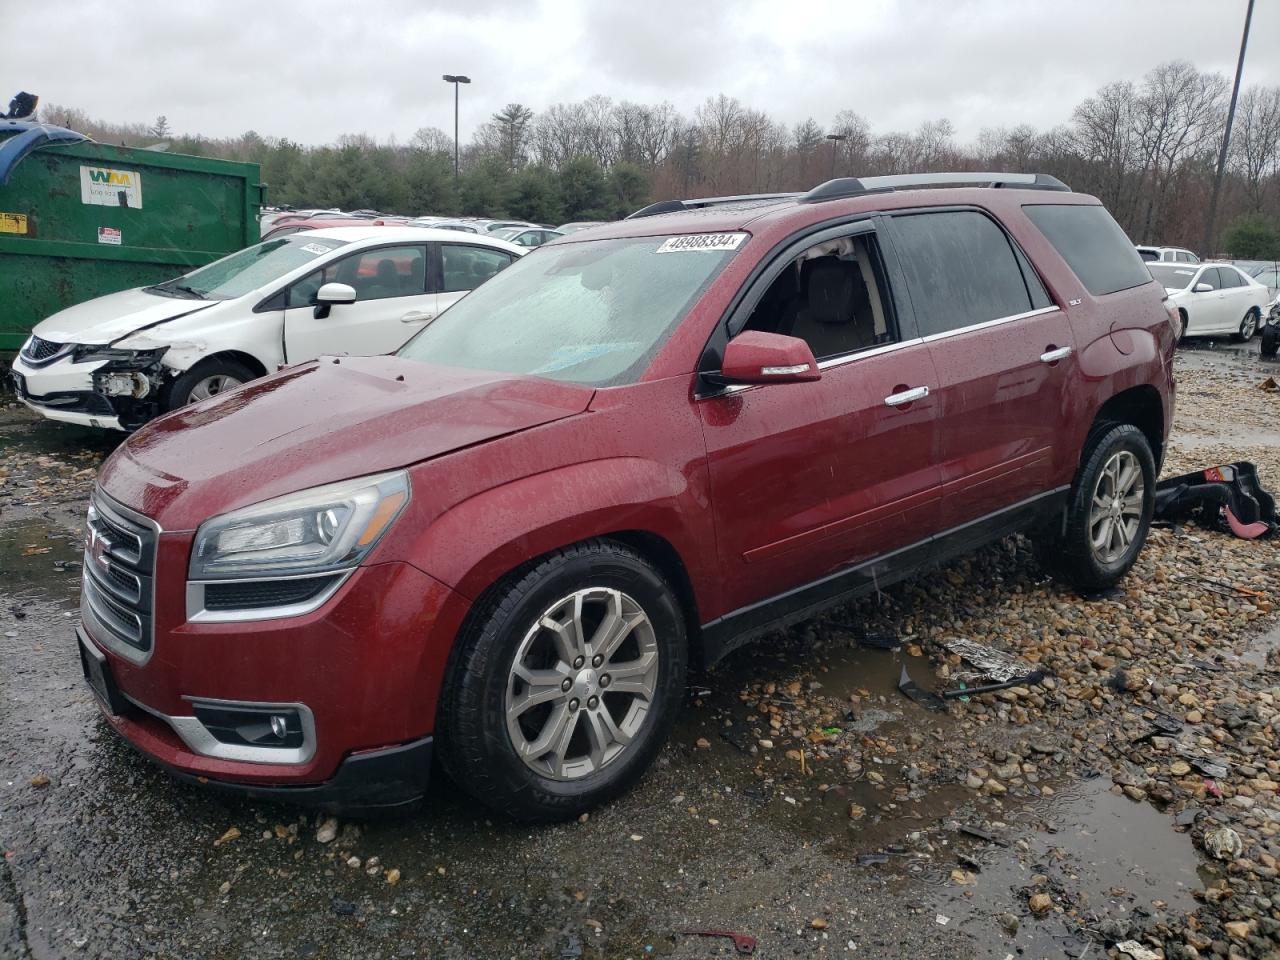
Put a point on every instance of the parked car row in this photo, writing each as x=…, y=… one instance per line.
x=636, y=448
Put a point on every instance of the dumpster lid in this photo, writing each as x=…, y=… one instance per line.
x=25, y=137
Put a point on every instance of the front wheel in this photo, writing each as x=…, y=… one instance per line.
x=1109, y=510
x=1248, y=327
x=565, y=684
x=205, y=380
x=1270, y=339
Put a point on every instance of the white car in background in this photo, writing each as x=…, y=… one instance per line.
x=1213, y=298
x=1166, y=254
x=122, y=359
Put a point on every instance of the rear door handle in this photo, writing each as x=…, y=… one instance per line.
x=417, y=316
x=906, y=396
x=1053, y=356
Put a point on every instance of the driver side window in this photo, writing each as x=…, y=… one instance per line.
x=834, y=296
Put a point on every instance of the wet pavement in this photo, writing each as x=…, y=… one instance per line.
x=803, y=800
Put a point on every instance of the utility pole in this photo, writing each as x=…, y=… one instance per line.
x=837, y=138
x=1207, y=249
x=455, y=80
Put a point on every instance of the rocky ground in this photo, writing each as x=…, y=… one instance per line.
x=1125, y=806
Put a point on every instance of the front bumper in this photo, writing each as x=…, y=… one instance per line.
x=366, y=668
x=64, y=391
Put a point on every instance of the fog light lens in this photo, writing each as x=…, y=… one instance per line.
x=250, y=726
x=279, y=726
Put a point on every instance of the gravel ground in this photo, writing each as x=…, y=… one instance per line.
x=1127, y=806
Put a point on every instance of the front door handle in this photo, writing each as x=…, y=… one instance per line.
x=906, y=396
x=417, y=316
x=1056, y=354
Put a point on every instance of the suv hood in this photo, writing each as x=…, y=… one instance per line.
x=318, y=423
x=111, y=317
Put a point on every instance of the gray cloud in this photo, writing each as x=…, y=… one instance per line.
x=315, y=70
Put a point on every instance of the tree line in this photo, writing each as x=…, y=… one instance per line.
x=1146, y=148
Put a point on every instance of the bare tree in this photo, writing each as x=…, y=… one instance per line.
x=1256, y=146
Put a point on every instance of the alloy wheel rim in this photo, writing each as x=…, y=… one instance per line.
x=1247, y=326
x=582, y=684
x=1115, y=515
x=211, y=387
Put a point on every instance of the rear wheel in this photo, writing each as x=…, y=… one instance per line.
x=1181, y=333
x=1108, y=513
x=1248, y=327
x=565, y=685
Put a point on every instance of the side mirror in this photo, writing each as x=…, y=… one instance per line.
x=332, y=294
x=759, y=357
x=1202, y=287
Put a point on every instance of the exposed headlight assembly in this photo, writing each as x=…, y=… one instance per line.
x=322, y=530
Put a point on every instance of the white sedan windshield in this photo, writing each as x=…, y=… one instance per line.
x=593, y=313
x=250, y=268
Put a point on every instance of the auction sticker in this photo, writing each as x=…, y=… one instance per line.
x=110, y=235
x=702, y=241
x=13, y=223
x=316, y=248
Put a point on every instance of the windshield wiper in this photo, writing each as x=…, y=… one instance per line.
x=189, y=291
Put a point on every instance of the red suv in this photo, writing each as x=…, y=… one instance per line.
x=624, y=454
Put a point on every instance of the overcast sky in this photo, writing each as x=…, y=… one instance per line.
x=314, y=69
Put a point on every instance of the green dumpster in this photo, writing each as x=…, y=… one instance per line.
x=80, y=220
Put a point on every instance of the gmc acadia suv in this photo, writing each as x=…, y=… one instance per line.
x=624, y=454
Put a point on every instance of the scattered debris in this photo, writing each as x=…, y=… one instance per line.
x=1131, y=948
x=743, y=943
x=1223, y=843
x=941, y=920
x=40, y=780
x=994, y=664
x=1229, y=495
x=1040, y=903
x=233, y=833
x=926, y=698
x=1030, y=680
x=879, y=641
x=979, y=833
x=327, y=832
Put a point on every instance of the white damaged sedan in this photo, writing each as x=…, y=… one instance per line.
x=120, y=360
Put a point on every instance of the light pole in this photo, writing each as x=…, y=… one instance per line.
x=455, y=80
x=835, y=138
x=1226, y=139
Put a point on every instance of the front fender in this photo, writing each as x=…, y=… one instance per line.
x=477, y=541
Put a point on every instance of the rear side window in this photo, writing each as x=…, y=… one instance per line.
x=961, y=270
x=1093, y=245
x=1230, y=278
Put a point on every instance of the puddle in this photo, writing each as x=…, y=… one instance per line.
x=1104, y=857
x=1260, y=649
x=37, y=561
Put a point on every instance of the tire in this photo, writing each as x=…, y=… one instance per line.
x=1270, y=340
x=1070, y=553
x=206, y=379
x=1181, y=333
x=1248, y=327
x=488, y=711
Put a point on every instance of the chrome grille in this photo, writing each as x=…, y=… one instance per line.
x=119, y=569
x=38, y=350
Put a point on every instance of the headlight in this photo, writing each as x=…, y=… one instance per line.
x=91, y=352
x=320, y=530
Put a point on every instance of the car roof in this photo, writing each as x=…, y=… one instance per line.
x=770, y=214
x=410, y=235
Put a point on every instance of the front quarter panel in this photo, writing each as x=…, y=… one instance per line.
x=634, y=462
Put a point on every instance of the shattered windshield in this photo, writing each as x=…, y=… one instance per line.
x=248, y=269
x=593, y=313
x=1173, y=276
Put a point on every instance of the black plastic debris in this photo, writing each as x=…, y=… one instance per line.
x=1210, y=768
x=993, y=664
x=1228, y=497
x=969, y=830
x=1030, y=680
x=926, y=698
x=879, y=641
x=1187, y=817
x=1107, y=593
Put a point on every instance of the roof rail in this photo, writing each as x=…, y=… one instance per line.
x=674, y=206
x=853, y=186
